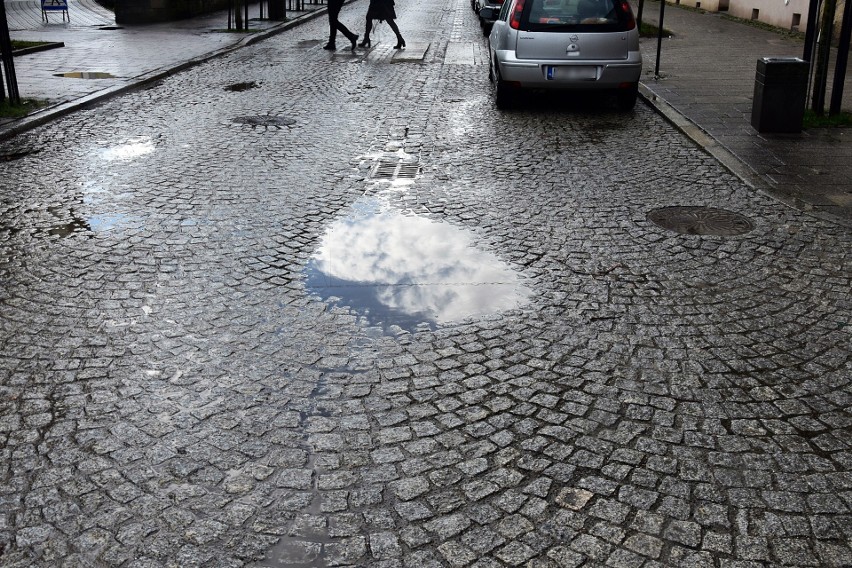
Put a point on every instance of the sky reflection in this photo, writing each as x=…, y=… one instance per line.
x=405, y=269
x=130, y=149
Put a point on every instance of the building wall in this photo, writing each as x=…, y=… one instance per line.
x=778, y=13
x=709, y=5
x=148, y=11
x=786, y=14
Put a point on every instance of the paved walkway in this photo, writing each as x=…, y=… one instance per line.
x=133, y=55
x=705, y=86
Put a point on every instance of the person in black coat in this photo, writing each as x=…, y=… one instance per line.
x=334, y=26
x=382, y=10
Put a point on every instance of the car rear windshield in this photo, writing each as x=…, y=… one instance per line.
x=577, y=15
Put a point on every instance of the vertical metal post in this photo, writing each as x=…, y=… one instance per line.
x=245, y=11
x=810, y=30
x=2, y=89
x=639, y=15
x=8, y=58
x=842, y=59
x=822, y=56
x=660, y=38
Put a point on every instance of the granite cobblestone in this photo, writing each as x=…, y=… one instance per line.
x=173, y=393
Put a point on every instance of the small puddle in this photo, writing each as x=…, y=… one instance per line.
x=68, y=229
x=85, y=75
x=102, y=223
x=132, y=148
x=70, y=223
x=407, y=270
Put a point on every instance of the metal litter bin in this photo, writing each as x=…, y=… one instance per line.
x=780, y=90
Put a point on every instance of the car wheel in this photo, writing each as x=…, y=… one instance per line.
x=625, y=99
x=486, y=29
x=505, y=95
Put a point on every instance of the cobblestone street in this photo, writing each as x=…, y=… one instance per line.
x=303, y=308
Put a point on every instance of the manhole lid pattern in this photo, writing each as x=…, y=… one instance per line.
x=701, y=221
x=239, y=87
x=267, y=121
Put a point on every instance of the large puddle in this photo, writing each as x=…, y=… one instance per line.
x=406, y=270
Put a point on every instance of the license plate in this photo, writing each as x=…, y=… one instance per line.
x=571, y=72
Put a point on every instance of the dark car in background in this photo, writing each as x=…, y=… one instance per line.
x=488, y=12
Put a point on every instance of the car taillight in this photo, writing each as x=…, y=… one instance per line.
x=515, y=19
x=631, y=22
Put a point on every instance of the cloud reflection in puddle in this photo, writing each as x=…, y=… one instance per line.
x=405, y=270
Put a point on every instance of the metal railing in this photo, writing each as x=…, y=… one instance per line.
x=268, y=9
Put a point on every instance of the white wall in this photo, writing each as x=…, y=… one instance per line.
x=772, y=12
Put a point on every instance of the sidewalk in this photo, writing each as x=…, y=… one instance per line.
x=133, y=55
x=705, y=87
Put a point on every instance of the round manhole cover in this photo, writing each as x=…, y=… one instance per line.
x=239, y=87
x=265, y=121
x=8, y=157
x=701, y=221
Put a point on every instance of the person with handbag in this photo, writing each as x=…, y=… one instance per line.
x=382, y=10
x=334, y=25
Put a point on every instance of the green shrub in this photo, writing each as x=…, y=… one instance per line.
x=27, y=106
x=813, y=120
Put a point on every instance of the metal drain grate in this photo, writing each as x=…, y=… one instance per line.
x=395, y=170
x=701, y=221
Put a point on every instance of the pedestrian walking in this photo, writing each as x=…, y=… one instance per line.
x=335, y=26
x=382, y=10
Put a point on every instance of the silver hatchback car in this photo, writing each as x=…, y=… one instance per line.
x=565, y=44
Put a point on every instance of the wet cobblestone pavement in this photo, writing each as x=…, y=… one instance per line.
x=178, y=391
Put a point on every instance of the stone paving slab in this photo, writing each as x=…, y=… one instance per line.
x=25, y=15
x=134, y=55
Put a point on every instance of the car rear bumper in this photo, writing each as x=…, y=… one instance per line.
x=570, y=74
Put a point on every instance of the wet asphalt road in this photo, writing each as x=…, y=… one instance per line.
x=349, y=314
